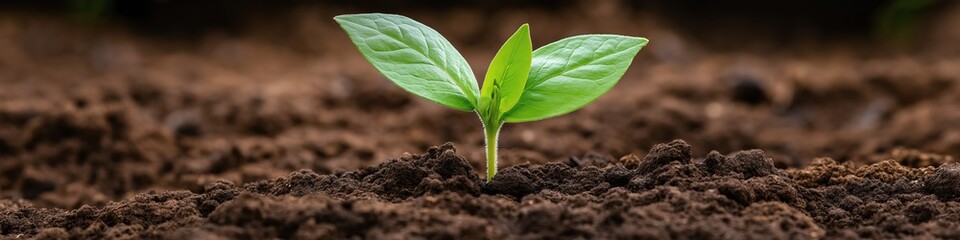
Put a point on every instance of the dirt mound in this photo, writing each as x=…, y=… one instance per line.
x=668, y=194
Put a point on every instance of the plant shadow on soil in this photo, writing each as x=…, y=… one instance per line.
x=667, y=194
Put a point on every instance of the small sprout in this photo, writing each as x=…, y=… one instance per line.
x=521, y=84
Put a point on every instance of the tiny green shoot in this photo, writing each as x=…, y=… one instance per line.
x=521, y=84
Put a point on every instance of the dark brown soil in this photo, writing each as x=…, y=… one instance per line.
x=437, y=195
x=281, y=129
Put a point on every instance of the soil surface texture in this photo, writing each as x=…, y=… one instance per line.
x=669, y=193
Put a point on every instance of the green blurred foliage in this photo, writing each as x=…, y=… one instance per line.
x=899, y=20
x=90, y=11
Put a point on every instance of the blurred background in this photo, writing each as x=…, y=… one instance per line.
x=101, y=99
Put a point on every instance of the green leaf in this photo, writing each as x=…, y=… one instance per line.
x=414, y=56
x=507, y=74
x=568, y=74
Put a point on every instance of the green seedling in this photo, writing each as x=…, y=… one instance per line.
x=521, y=84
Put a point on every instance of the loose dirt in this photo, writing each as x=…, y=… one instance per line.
x=437, y=195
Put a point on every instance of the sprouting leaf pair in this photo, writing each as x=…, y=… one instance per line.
x=520, y=85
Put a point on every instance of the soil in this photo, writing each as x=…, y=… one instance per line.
x=282, y=130
x=438, y=195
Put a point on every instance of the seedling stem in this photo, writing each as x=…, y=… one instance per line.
x=490, y=138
